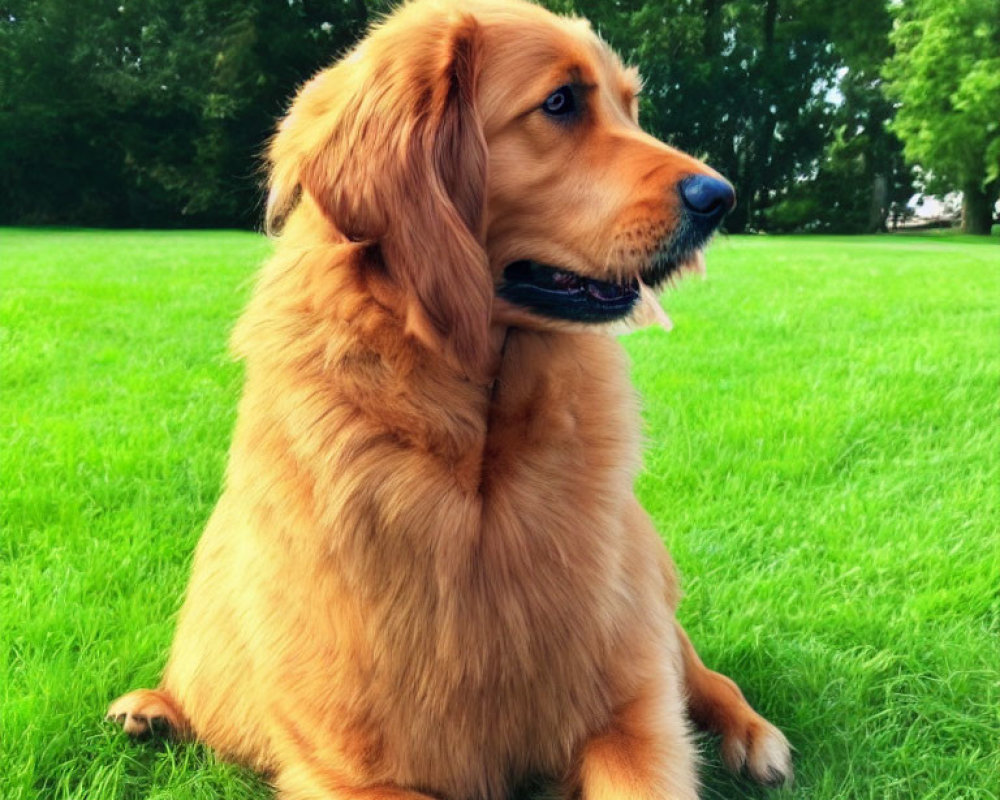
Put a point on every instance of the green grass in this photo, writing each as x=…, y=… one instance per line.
x=823, y=459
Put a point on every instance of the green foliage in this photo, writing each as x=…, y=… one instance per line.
x=861, y=176
x=836, y=200
x=822, y=458
x=153, y=112
x=945, y=77
x=852, y=192
x=735, y=82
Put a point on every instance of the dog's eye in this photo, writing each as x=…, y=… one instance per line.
x=560, y=103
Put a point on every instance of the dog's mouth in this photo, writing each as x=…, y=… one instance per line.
x=563, y=294
x=560, y=293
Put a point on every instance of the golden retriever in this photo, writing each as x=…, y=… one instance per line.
x=428, y=575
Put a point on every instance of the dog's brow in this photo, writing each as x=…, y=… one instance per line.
x=576, y=77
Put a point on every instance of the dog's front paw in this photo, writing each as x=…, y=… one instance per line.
x=146, y=712
x=762, y=749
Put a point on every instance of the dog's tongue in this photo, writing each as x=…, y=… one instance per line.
x=649, y=312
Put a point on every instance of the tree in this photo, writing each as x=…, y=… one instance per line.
x=945, y=78
x=151, y=112
x=154, y=112
x=742, y=84
x=55, y=138
x=861, y=176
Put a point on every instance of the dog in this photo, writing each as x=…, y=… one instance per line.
x=428, y=575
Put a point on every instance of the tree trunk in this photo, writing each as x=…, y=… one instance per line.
x=738, y=219
x=759, y=170
x=977, y=208
x=711, y=41
x=879, y=207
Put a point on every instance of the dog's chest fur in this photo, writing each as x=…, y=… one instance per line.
x=451, y=638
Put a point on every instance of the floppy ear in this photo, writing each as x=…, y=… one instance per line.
x=389, y=144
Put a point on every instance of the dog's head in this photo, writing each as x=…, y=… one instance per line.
x=490, y=154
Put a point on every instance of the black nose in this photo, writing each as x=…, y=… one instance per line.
x=707, y=199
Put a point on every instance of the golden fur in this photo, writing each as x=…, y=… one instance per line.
x=428, y=574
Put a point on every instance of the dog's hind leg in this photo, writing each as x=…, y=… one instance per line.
x=146, y=712
x=716, y=704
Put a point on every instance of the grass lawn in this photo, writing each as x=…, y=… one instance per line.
x=823, y=460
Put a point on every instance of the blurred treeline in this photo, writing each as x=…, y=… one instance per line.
x=156, y=112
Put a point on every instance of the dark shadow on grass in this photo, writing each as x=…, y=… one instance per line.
x=158, y=764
